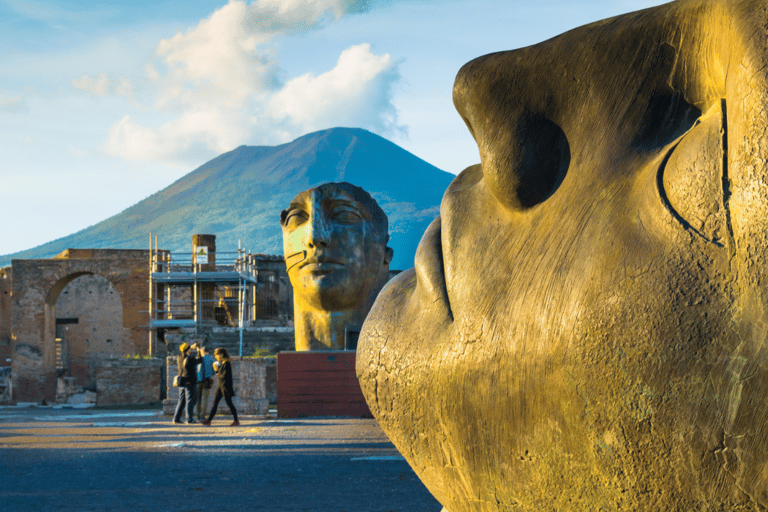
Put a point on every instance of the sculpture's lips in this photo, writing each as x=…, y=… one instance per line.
x=430, y=271
x=436, y=257
x=317, y=265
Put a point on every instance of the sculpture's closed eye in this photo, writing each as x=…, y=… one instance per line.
x=294, y=218
x=693, y=181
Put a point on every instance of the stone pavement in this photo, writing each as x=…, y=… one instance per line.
x=137, y=460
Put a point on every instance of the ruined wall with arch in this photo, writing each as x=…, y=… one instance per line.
x=5, y=316
x=37, y=287
x=89, y=326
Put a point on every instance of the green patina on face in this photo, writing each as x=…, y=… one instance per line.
x=334, y=240
x=586, y=325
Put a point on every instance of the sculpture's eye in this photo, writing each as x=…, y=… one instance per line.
x=693, y=181
x=344, y=214
x=294, y=218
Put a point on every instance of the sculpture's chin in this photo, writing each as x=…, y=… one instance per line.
x=504, y=369
x=405, y=353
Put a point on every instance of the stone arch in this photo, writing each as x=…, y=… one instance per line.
x=56, y=289
x=88, y=327
x=37, y=284
x=49, y=326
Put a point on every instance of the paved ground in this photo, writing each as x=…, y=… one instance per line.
x=137, y=460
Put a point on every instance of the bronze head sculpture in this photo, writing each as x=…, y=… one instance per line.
x=585, y=327
x=335, y=243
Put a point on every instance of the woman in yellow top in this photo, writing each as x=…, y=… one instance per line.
x=224, y=387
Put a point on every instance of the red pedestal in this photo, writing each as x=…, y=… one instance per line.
x=319, y=384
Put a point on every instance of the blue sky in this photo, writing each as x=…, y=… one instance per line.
x=104, y=103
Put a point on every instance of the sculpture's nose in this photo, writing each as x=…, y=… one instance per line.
x=318, y=232
x=524, y=152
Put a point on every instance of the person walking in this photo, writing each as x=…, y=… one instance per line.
x=187, y=362
x=204, y=383
x=224, y=386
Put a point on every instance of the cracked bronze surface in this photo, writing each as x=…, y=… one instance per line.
x=585, y=327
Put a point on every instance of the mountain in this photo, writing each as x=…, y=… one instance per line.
x=239, y=195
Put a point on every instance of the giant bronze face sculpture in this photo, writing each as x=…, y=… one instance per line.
x=585, y=327
x=335, y=243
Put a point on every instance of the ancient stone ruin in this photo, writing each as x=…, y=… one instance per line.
x=86, y=327
x=108, y=290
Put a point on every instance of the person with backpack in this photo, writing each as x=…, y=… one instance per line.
x=187, y=362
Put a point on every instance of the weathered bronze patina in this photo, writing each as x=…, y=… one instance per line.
x=335, y=243
x=585, y=327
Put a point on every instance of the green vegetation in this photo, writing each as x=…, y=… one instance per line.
x=138, y=356
x=261, y=352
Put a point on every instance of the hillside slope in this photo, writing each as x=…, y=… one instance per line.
x=239, y=195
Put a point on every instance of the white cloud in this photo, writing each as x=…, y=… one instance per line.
x=98, y=86
x=125, y=89
x=216, y=63
x=13, y=105
x=357, y=92
x=282, y=16
x=220, y=79
x=63, y=15
x=101, y=86
x=186, y=137
x=225, y=59
x=41, y=11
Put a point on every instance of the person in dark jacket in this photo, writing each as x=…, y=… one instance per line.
x=224, y=387
x=187, y=362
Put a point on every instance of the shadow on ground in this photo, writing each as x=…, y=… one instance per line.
x=137, y=460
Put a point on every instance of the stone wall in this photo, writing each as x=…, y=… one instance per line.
x=5, y=317
x=5, y=385
x=128, y=381
x=93, y=306
x=271, y=367
x=263, y=339
x=249, y=380
x=36, y=286
x=96, y=301
x=273, y=295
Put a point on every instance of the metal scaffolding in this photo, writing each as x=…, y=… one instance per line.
x=182, y=290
